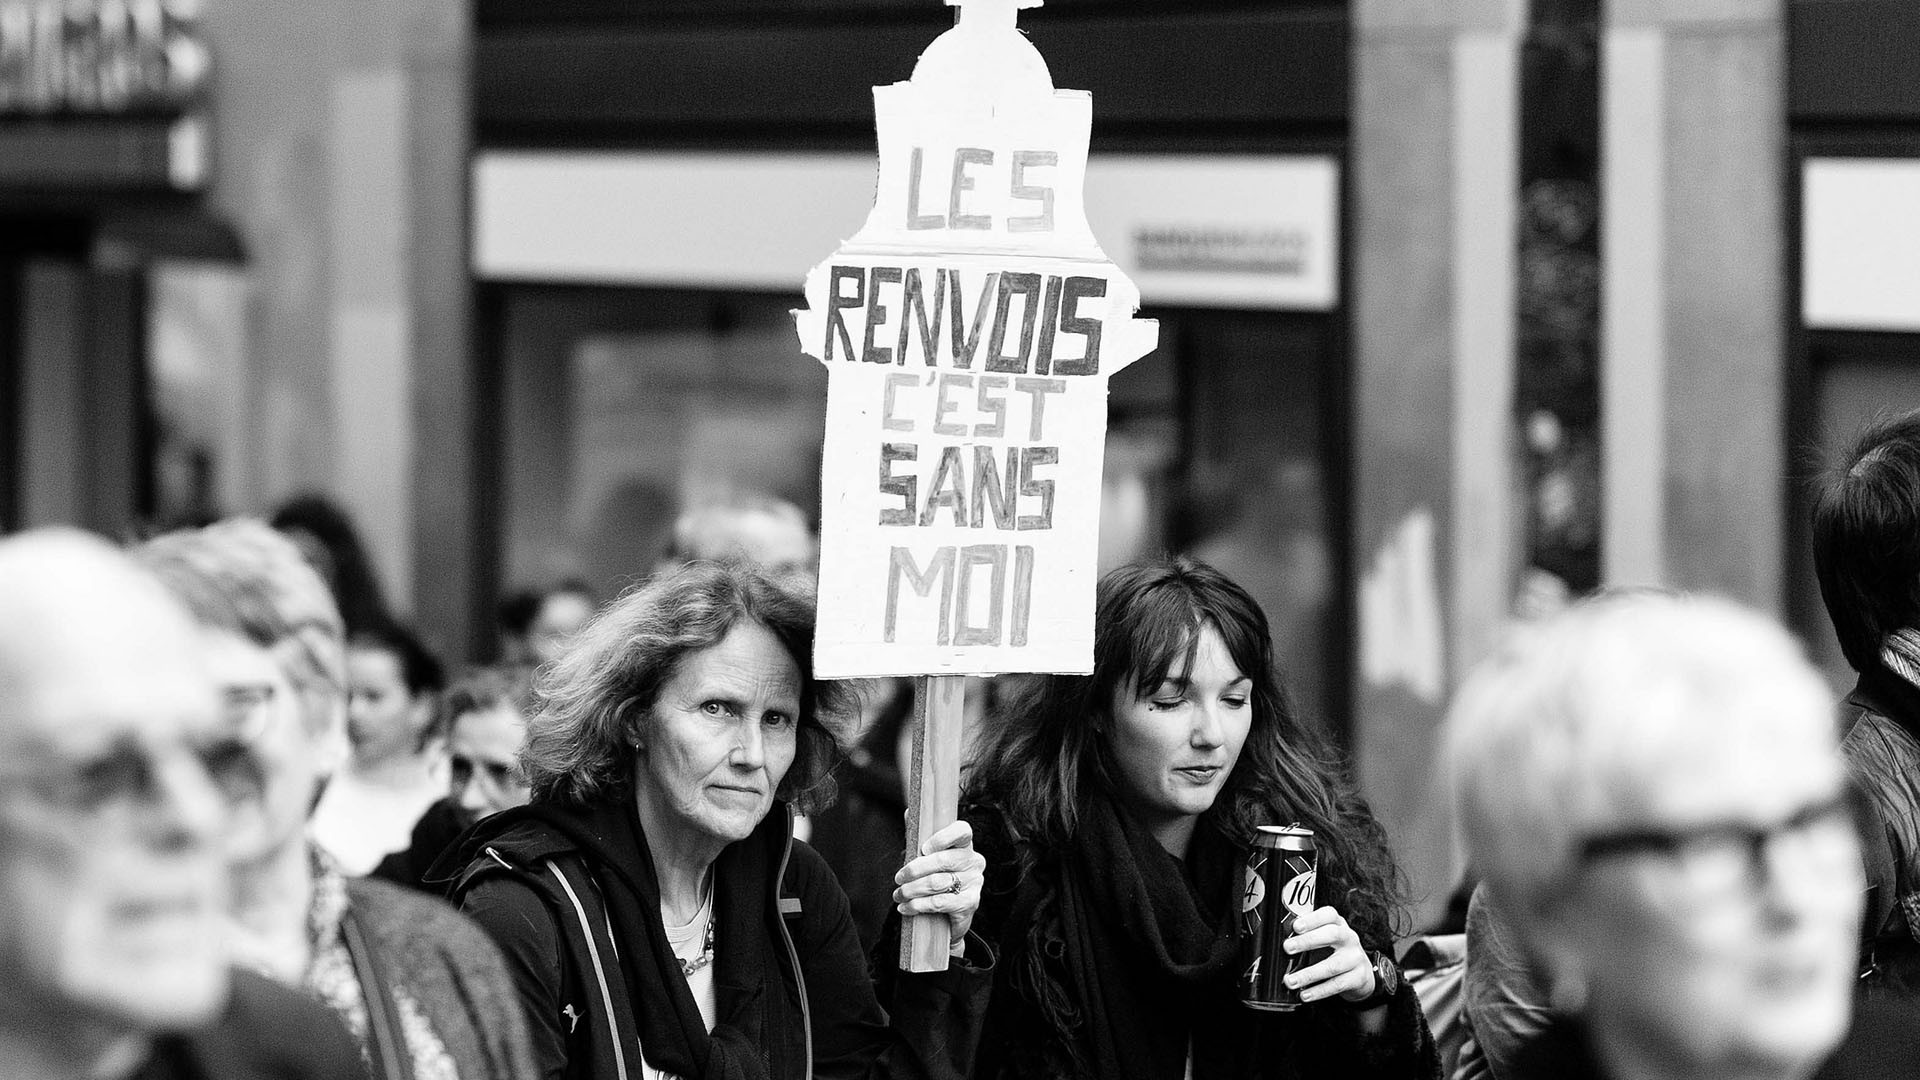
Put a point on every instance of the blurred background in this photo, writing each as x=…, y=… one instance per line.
x=1466, y=306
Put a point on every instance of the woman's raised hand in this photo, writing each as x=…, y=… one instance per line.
x=944, y=879
x=1348, y=972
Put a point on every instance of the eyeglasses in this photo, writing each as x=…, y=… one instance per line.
x=130, y=777
x=1723, y=858
x=500, y=774
x=248, y=709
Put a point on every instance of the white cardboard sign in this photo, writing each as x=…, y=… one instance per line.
x=969, y=330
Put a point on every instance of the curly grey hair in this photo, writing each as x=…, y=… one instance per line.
x=597, y=696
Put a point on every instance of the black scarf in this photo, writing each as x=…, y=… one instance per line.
x=750, y=1036
x=1148, y=952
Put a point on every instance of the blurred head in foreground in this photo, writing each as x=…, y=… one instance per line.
x=111, y=871
x=276, y=648
x=1651, y=786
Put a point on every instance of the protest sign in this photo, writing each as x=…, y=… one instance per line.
x=969, y=330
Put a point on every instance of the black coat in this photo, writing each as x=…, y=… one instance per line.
x=511, y=889
x=1883, y=1044
x=1880, y=725
x=1322, y=1041
x=267, y=1032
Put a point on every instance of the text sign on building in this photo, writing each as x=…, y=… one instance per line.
x=969, y=330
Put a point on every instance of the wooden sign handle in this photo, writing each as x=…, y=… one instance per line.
x=933, y=801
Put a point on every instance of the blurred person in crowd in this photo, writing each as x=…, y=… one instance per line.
x=1866, y=552
x=651, y=899
x=487, y=711
x=1116, y=812
x=863, y=833
x=536, y=627
x=423, y=990
x=112, y=871
x=398, y=767
x=329, y=542
x=1504, y=995
x=771, y=533
x=1274, y=544
x=1651, y=788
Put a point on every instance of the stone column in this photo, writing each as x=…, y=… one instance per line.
x=341, y=143
x=1692, y=393
x=1434, y=168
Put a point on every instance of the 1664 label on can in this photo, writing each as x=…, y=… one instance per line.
x=1279, y=889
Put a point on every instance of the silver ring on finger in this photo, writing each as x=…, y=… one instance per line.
x=954, y=886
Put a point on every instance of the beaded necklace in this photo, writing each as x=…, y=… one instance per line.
x=688, y=967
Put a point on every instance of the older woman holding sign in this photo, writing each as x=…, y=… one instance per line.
x=1119, y=813
x=656, y=910
x=1651, y=786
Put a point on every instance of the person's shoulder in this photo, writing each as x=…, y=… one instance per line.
x=274, y=1032
x=1882, y=1044
x=1559, y=1051
x=406, y=917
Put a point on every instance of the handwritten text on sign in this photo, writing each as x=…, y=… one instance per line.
x=969, y=331
x=980, y=396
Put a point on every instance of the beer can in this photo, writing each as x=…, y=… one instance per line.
x=1279, y=889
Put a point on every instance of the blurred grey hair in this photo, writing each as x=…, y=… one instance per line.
x=597, y=697
x=242, y=577
x=707, y=530
x=1566, y=727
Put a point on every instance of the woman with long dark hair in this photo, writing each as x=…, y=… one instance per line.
x=1116, y=812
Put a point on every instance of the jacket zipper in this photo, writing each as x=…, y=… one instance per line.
x=793, y=954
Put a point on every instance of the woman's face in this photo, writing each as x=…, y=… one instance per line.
x=1174, y=744
x=484, y=753
x=263, y=712
x=722, y=735
x=1712, y=948
x=384, y=719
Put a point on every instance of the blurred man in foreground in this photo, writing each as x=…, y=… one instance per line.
x=113, y=749
x=1652, y=789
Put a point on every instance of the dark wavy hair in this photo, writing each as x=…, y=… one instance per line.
x=1051, y=739
x=351, y=577
x=1866, y=538
x=596, y=697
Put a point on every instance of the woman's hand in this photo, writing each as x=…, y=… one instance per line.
x=1348, y=972
x=945, y=879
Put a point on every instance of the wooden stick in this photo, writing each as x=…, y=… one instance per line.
x=933, y=801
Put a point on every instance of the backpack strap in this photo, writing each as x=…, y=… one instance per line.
x=386, y=1037
x=583, y=922
x=593, y=988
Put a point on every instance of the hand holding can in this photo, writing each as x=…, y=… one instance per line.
x=1281, y=870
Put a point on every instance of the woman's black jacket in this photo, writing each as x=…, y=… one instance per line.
x=532, y=890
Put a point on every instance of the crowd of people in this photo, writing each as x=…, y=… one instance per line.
x=252, y=826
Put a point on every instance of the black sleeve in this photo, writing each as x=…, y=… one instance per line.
x=519, y=922
x=272, y=1032
x=1870, y=769
x=935, y=1021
